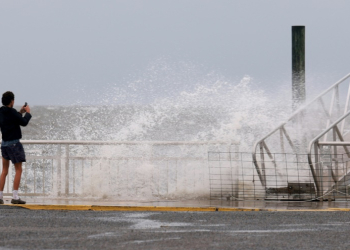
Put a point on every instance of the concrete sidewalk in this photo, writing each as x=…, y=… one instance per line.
x=47, y=203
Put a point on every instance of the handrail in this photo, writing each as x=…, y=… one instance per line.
x=77, y=142
x=61, y=169
x=299, y=110
x=255, y=146
x=326, y=131
x=313, y=141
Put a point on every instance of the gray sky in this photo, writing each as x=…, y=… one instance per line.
x=50, y=50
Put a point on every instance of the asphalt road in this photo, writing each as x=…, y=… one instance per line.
x=28, y=229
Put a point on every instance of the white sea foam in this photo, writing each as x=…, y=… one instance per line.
x=169, y=102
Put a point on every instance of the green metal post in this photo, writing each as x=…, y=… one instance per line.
x=298, y=65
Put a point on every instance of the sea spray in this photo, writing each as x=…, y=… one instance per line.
x=166, y=104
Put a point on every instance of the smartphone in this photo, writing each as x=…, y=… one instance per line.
x=25, y=104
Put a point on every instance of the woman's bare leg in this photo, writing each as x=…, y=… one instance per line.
x=5, y=170
x=17, y=180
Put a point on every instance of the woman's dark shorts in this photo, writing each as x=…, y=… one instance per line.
x=14, y=152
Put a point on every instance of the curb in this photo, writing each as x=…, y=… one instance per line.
x=236, y=209
x=116, y=208
x=155, y=208
x=166, y=209
x=312, y=210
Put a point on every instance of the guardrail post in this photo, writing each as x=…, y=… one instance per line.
x=329, y=181
x=335, y=153
x=67, y=170
x=318, y=170
x=262, y=157
x=59, y=181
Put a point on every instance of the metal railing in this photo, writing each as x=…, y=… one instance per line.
x=117, y=170
x=293, y=135
x=331, y=148
x=233, y=177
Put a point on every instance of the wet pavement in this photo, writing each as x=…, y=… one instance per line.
x=33, y=229
x=179, y=224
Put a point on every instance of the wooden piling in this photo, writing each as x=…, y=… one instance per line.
x=298, y=65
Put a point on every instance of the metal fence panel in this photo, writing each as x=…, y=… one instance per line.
x=233, y=176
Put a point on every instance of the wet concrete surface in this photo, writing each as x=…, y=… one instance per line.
x=259, y=204
x=37, y=229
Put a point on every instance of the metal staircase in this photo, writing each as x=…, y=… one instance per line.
x=318, y=132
